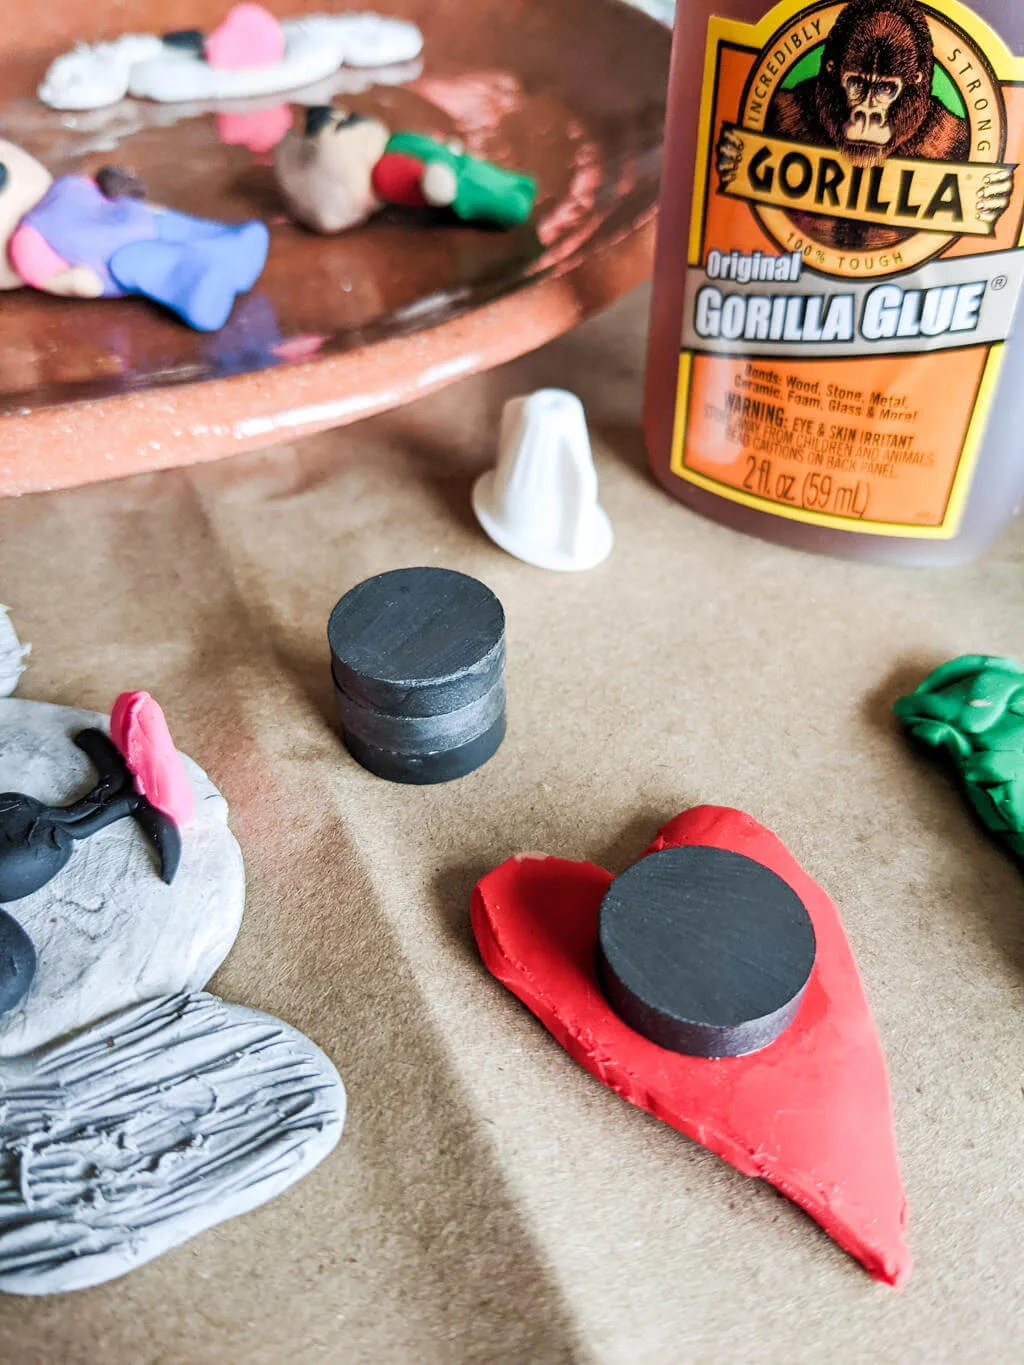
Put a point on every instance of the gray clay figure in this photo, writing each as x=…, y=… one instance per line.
x=136, y=1109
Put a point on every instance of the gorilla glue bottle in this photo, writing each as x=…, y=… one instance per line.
x=836, y=356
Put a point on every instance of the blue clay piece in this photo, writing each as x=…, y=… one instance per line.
x=196, y=268
x=193, y=266
x=17, y=963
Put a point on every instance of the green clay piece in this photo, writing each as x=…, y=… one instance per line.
x=972, y=709
x=486, y=193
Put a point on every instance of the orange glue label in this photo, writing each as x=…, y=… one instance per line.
x=854, y=261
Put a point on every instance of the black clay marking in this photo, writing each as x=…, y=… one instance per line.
x=317, y=118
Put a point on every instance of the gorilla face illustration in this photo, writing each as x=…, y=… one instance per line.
x=872, y=99
x=874, y=90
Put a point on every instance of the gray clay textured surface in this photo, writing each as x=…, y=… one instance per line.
x=142, y=1131
x=121, y=1138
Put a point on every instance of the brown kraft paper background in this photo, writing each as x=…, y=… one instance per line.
x=489, y=1201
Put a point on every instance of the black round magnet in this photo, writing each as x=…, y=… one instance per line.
x=420, y=734
x=704, y=951
x=417, y=642
x=423, y=769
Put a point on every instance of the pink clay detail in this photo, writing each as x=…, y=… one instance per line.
x=141, y=736
x=249, y=36
x=33, y=257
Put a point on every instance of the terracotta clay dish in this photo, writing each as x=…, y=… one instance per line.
x=570, y=91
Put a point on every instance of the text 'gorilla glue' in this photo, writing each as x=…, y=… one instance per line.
x=835, y=359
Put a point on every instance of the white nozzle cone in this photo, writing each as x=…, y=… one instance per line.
x=540, y=502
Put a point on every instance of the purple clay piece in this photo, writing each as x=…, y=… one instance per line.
x=193, y=266
x=77, y=220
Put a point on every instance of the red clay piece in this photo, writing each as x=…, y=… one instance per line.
x=810, y=1113
x=398, y=179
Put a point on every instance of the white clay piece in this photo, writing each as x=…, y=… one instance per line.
x=92, y=75
x=144, y=66
x=12, y=655
x=540, y=502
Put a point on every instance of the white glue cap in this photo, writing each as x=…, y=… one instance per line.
x=540, y=502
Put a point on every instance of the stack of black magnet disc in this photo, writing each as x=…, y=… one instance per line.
x=704, y=951
x=418, y=657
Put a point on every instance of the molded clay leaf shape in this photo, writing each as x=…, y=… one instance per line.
x=142, y=1131
x=811, y=1113
x=972, y=710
